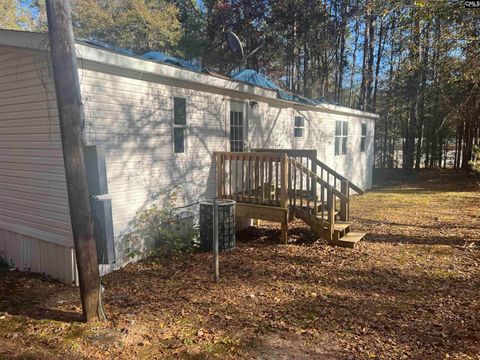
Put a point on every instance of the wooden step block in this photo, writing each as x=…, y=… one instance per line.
x=340, y=226
x=340, y=229
x=350, y=239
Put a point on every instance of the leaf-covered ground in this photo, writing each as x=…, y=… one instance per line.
x=411, y=289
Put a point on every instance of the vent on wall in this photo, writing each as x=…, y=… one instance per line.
x=101, y=203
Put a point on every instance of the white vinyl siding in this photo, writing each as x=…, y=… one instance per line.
x=33, y=192
x=132, y=119
x=35, y=230
x=271, y=127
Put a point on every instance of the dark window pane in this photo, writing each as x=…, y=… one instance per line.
x=236, y=131
x=362, y=143
x=364, y=129
x=344, y=145
x=337, y=146
x=298, y=132
x=180, y=111
x=299, y=121
x=338, y=128
x=236, y=146
x=345, y=128
x=179, y=140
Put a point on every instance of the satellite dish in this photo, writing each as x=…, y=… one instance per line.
x=235, y=44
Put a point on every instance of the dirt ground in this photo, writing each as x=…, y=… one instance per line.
x=411, y=289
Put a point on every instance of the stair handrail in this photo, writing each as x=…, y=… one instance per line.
x=328, y=224
x=319, y=179
x=312, y=155
x=340, y=177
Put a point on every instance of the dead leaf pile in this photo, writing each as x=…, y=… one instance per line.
x=410, y=290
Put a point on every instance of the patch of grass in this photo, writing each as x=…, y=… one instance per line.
x=13, y=324
x=79, y=331
x=221, y=346
x=445, y=274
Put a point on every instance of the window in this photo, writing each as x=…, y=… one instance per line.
x=363, y=139
x=236, y=131
x=179, y=124
x=341, y=137
x=299, y=127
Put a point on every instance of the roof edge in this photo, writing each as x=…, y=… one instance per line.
x=39, y=42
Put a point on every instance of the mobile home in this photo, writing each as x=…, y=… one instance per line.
x=150, y=127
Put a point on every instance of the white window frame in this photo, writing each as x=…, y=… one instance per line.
x=341, y=139
x=296, y=127
x=179, y=126
x=363, y=138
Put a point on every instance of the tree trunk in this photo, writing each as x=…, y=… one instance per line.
x=366, y=37
x=377, y=66
x=354, y=61
x=409, y=153
x=371, y=60
x=424, y=51
x=341, y=65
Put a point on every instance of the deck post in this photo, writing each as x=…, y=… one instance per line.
x=284, y=195
x=313, y=162
x=330, y=213
x=344, y=204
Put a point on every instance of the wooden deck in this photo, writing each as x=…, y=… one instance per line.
x=279, y=185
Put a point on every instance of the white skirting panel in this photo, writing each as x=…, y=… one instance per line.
x=37, y=256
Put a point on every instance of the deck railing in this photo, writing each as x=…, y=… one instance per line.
x=323, y=208
x=309, y=159
x=285, y=183
x=257, y=178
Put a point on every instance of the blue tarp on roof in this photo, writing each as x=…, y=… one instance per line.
x=164, y=58
x=253, y=77
x=248, y=76
x=151, y=55
x=284, y=95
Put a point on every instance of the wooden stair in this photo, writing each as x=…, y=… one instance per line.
x=342, y=236
x=281, y=184
x=349, y=240
x=317, y=205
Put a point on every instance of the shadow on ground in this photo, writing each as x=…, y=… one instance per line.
x=21, y=295
x=309, y=300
